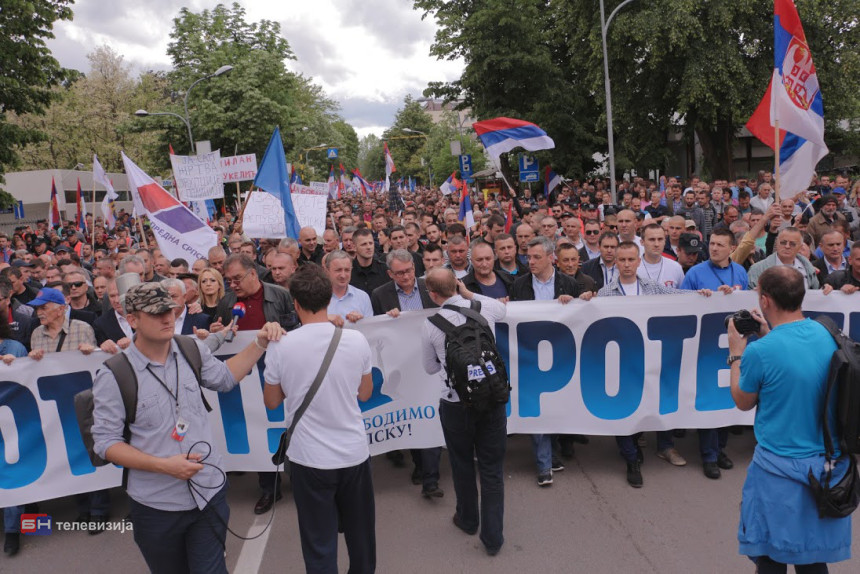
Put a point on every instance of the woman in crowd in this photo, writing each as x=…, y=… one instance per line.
x=211, y=286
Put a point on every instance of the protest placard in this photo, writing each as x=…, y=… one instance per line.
x=239, y=167
x=198, y=177
x=264, y=216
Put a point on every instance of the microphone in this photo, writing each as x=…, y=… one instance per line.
x=238, y=312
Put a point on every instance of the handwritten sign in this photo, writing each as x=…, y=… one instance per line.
x=320, y=187
x=239, y=167
x=264, y=216
x=198, y=176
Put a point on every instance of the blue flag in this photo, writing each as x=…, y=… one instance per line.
x=274, y=178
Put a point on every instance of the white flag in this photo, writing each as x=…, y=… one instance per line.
x=178, y=231
x=99, y=176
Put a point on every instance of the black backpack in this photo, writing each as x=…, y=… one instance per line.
x=473, y=365
x=844, y=380
x=126, y=380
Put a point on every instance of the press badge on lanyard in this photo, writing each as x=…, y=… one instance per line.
x=179, y=430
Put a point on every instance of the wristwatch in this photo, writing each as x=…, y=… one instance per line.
x=732, y=359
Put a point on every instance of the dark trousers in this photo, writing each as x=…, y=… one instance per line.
x=711, y=442
x=768, y=566
x=629, y=449
x=185, y=540
x=469, y=434
x=270, y=482
x=326, y=497
x=96, y=503
x=426, y=460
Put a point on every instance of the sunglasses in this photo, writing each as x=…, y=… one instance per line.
x=612, y=226
x=76, y=284
x=593, y=232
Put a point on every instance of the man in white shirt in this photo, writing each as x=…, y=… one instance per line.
x=655, y=266
x=328, y=453
x=348, y=303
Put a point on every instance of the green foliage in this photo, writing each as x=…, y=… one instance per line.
x=28, y=71
x=442, y=162
x=369, y=154
x=408, y=149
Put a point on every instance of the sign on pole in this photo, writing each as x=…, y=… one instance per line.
x=466, y=165
x=331, y=153
x=529, y=168
x=239, y=167
x=198, y=177
x=264, y=216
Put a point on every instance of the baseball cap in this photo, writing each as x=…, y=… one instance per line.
x=839, y=190
x=63, y=248
x=829, y=199
x=588, y=206
x=48, y=295
x=689, y=242
x=21, y=263
x=688, y=223
x=150, y=298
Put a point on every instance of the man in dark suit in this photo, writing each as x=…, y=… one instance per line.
x=602, y=269
x=187, y=322
x=407, y=293
x=833, y=247
x=112, y=330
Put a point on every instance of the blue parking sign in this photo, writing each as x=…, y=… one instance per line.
x=466, y=165
x=529, y=168
x=331, y=153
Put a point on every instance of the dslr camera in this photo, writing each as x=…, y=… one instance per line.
x=744, y=322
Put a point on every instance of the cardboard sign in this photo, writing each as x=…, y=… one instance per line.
x=198, y=176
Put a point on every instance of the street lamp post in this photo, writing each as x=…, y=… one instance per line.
x=420, y=133
x=310, y=149
x=604, y=26
x=186, y=119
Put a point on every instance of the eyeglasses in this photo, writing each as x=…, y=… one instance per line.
x=787, y=243
x=612, y=226
x=76, y=284
x=593, y=232
x=237, y=280
x=404, y=272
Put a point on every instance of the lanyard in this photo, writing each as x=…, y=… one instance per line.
x=659, y=271
x=620, y=286
x=714, y=268
x=175, y=395
x=607, y=276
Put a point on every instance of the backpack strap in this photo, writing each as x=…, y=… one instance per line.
x=191, y=352
x=471, y=313
x=126, y=380
x=832, y=376
x=442, y=323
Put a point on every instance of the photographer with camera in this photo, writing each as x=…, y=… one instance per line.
x=779, y=522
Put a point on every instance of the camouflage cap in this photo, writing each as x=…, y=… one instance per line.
x=151, y=298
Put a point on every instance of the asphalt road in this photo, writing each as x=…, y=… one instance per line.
x=590, y=521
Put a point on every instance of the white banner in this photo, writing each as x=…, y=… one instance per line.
x=239, y=167
x=320, y=187
x=264, y=216
x=198, y=176
x=565, y=362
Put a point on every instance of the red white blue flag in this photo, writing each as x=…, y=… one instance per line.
x=80, y=210
x=501, y=135
x=794, y=99
x=54, y=207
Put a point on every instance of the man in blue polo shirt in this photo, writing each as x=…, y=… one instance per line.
x=722, y=274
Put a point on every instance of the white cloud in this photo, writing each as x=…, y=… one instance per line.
x=366, y=54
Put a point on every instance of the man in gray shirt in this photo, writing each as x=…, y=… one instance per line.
x=175, y=529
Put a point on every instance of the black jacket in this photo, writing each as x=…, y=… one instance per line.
x=593, y=269
x=369, y=278
x=838, y=279
x=522, y=268
x=316, y=256
x=384, y=298
x=522, y=289
x=107, y=328
x=474, y=286
x=277, y=307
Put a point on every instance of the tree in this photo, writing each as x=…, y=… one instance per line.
x=442, y=162
x=28, y=71
x=408, y=149
x=369, y=152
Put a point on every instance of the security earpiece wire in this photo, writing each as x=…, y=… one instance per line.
x=194, y=486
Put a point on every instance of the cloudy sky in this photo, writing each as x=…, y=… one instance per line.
x=366, y=54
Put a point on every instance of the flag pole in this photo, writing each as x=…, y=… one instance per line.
x=142, y=232
x=776, y=147
x=93, y=230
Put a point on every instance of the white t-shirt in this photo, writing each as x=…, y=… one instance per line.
x=665, y=272
x=331, y=432
x=631, y=290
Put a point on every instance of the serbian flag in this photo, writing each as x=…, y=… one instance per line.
x=343, y=183
x=363, y=185
x=54, y=207
x=178, y=231
x=466, y=216
x=295, y=179
x=551, y=180
x=108, y=203
x=450, y=185
x=501, y=135
x=794, y=99
x=80, y=210
x=389, y=166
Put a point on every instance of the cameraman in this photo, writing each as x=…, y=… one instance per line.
x=779, y=521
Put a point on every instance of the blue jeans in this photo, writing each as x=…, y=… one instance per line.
x=12, y=518
x=96, y=503
x=542, y=444
x=326, y=499
x=469, y=434
x=711, y=442
x=627, y=444
x=185, y=540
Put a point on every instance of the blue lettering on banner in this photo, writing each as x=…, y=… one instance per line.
x=631, y=378
x=233, y=418
x=671, y=332
x=503, y=344
x=533, y=382
x=710, y=396
x=854, y=326
x=62, y=390
x=32, y=450
x=273, y=415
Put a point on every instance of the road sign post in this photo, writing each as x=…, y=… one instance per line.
x=529, y=168
x=331, y=153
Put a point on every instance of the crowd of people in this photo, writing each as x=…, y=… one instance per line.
x=61, y=288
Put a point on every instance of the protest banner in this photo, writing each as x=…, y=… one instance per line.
x=264, y=216
x=611, y=366
x=198, y=177
x=320, y=187
x=239, y=168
